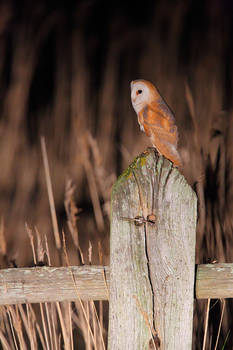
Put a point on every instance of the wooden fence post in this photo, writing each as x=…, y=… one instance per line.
x=152, y=257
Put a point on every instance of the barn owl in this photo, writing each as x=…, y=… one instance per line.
x=155, y=119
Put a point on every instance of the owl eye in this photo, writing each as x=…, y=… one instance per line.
x=138, y=92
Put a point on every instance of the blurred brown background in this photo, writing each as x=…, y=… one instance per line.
x=65, y=71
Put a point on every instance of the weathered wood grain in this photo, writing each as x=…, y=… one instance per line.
x=214, y=281
x=152, y=265
x=45, y=284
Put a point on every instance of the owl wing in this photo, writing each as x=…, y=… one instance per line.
x=158, y=115
x=159, y=121
x=162, y=110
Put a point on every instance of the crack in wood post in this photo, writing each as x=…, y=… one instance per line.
x=156, y=339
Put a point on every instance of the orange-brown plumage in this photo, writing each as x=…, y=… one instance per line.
x=156, y=119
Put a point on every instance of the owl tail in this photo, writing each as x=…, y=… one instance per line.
x=168, y=150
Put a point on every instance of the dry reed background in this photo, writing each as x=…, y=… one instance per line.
x=65, y=74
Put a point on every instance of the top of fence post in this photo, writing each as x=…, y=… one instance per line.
x=152, y=257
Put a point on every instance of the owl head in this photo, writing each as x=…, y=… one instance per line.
x=142, y=93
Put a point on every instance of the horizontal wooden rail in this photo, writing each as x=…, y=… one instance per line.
x=48, y=284
x=214, y=281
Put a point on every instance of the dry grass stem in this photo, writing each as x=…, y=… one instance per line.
x=3, y=247
x=72, y=211
x=92, y=185
x=12, y=328
x=79, y=299
x=147, y=321
x=206, y=324
x=49, y=324
x=31, y=238
x=220, y=323
x=50, y=193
